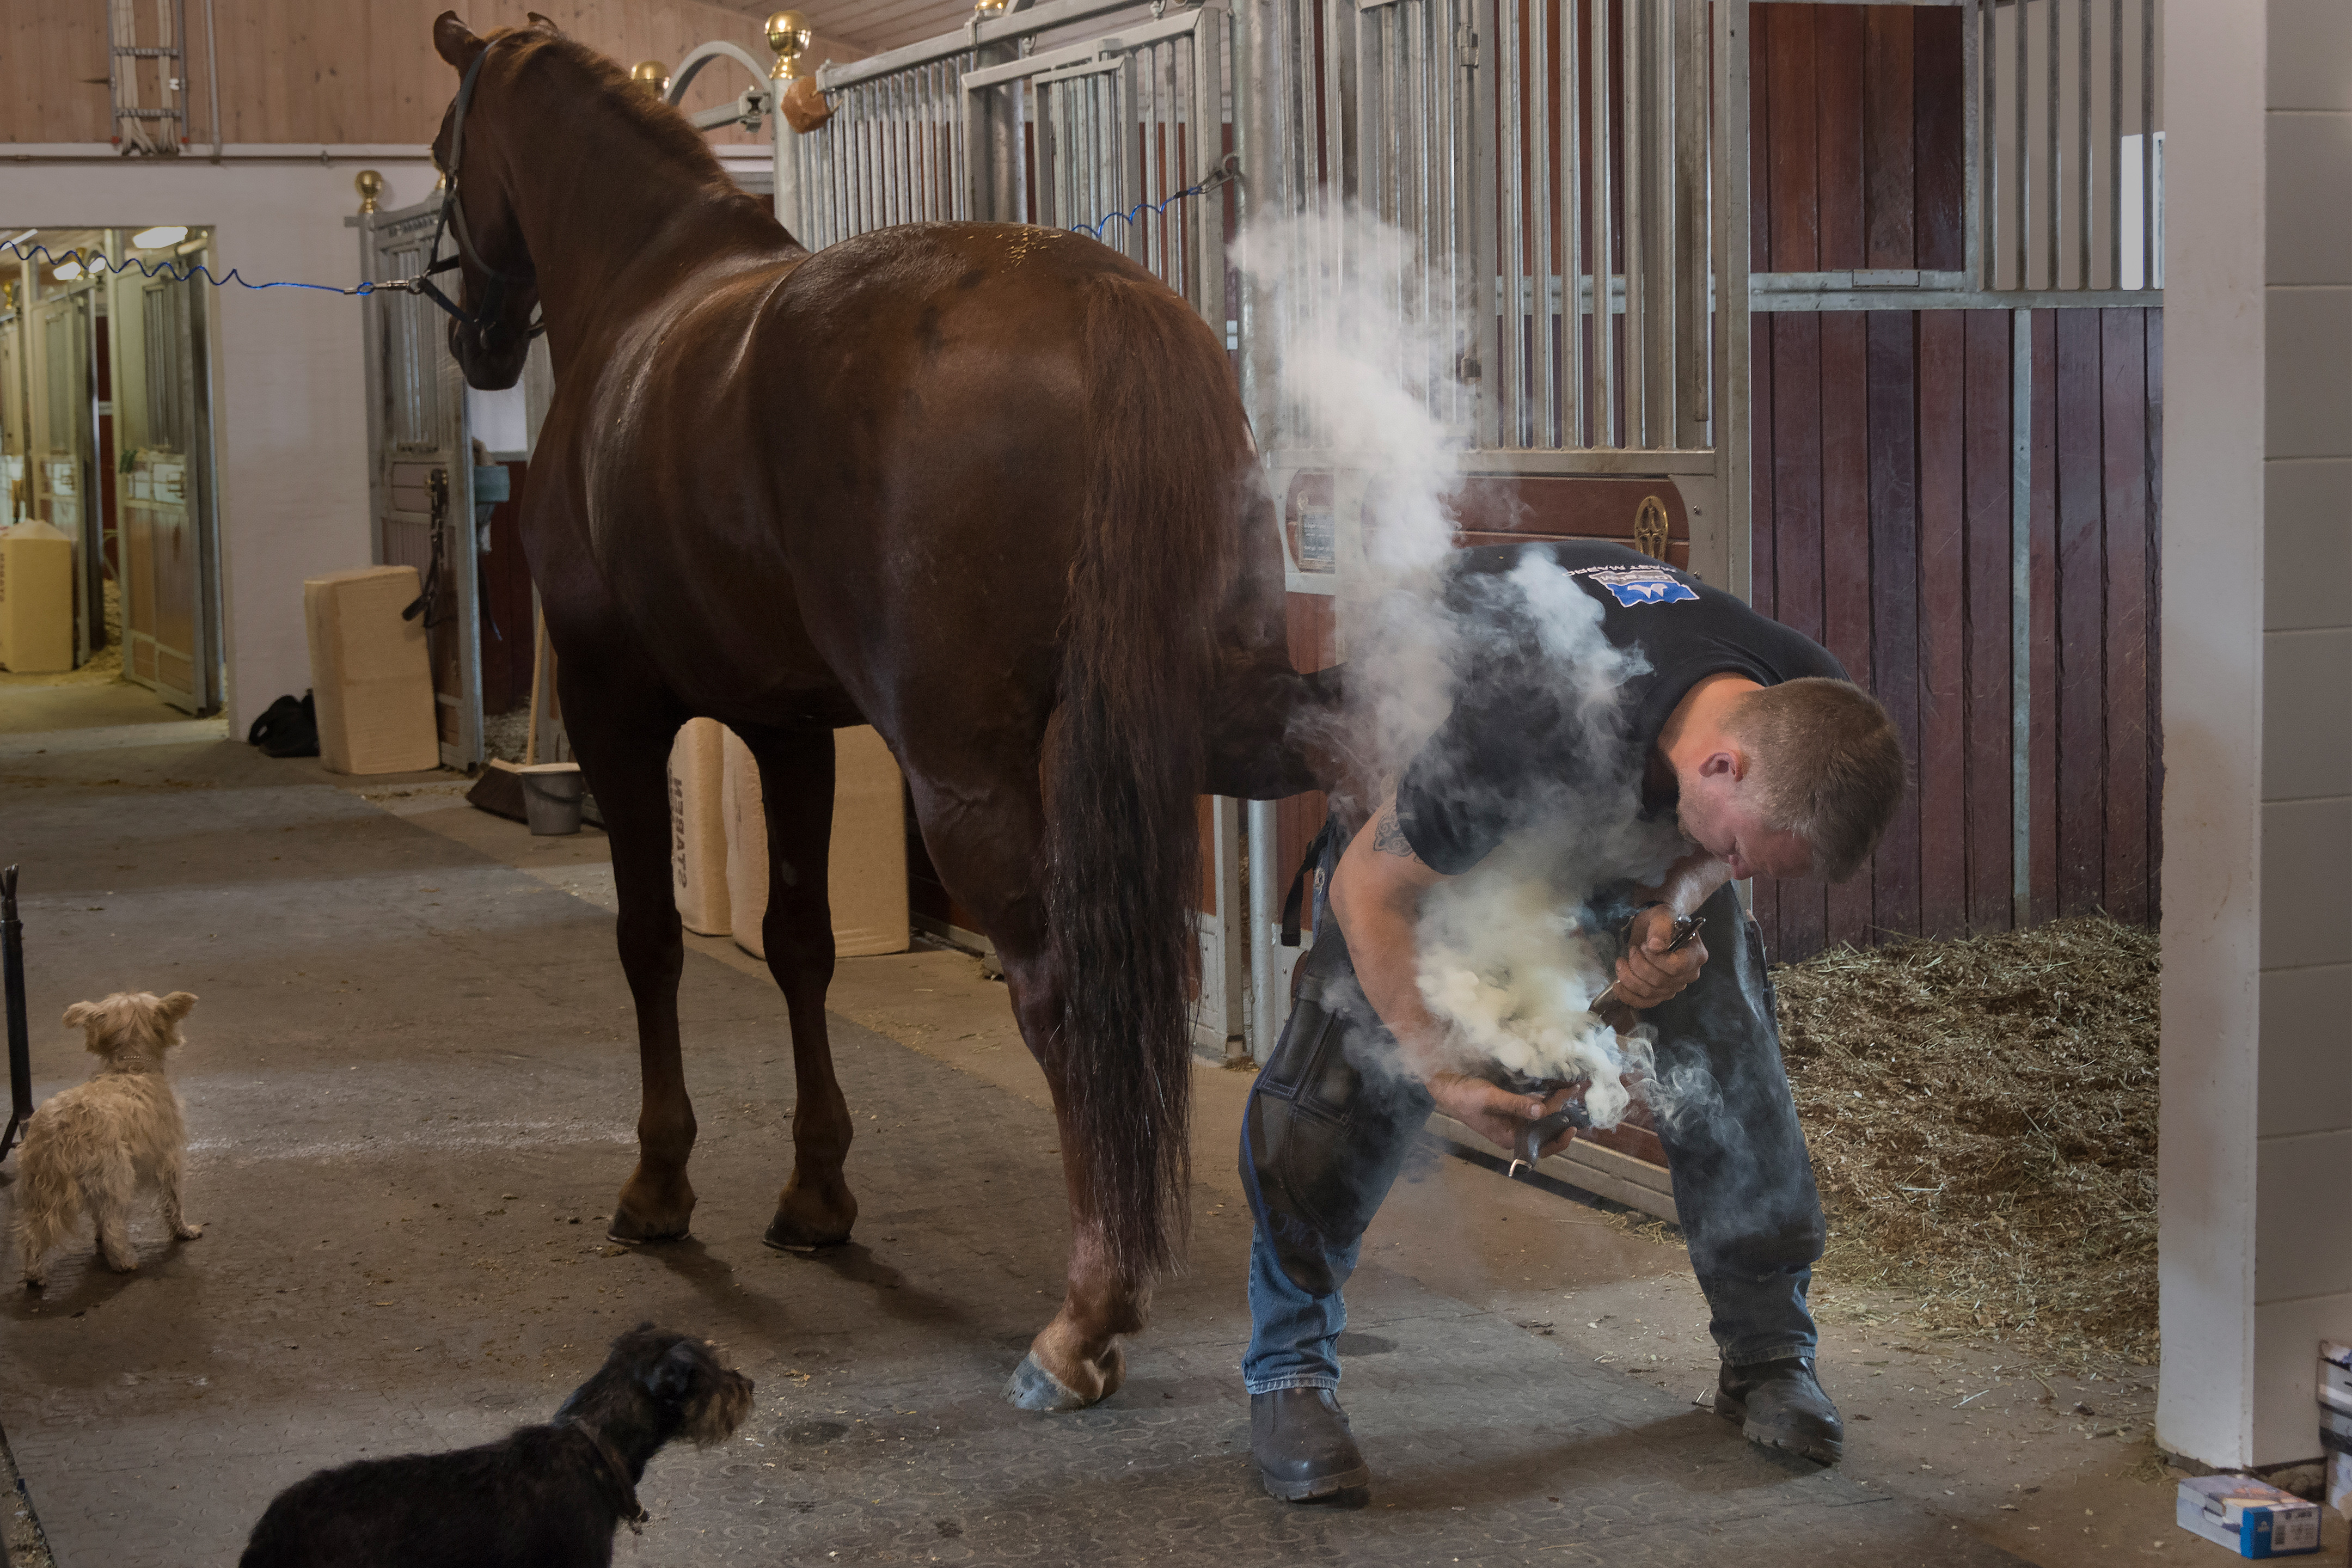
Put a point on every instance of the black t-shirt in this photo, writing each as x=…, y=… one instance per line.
x=1521, y=743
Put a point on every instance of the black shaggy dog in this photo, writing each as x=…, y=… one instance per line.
x=541, y=1497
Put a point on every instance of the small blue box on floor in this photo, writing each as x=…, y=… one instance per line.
x=2253, y=1519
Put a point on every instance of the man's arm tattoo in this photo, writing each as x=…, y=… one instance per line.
x=1388, y=834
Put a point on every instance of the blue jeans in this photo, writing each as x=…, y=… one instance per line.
x=1328, y=1129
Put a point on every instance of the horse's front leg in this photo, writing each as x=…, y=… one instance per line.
x=622, y=740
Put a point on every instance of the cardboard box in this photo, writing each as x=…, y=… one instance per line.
x=369, y=672
x=2249, y=1517
x=36, y=599
x=866, y=875
x=697, y=827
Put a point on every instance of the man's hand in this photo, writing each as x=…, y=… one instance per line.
x=1497, y=1114
x=1649, y=974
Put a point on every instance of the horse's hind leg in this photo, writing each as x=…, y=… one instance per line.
x=623, y=738
x=796, y=781
x=987, y=839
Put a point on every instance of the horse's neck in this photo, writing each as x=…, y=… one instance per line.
x=623, y=204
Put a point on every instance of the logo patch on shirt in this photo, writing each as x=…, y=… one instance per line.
x=1642, y=585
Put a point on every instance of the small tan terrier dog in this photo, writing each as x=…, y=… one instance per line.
x=96, y=1145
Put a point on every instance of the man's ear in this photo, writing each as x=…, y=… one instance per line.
x=1726, y=763
x=453, y=41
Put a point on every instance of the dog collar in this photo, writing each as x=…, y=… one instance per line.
x=633, y=1513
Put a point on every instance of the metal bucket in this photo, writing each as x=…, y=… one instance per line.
x=551, y=798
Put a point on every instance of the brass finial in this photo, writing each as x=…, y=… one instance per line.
x=1651, y=528
x=788, y=35
x=652, y=75
x=370, y=185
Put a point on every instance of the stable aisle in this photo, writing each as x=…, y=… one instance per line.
x=411, y=1086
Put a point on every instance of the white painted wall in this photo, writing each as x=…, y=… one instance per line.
x=2256, y=1133
x=290, y=436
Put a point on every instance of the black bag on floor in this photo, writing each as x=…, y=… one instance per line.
x=287, y=728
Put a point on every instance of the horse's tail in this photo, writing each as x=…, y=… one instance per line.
x=1157, y=552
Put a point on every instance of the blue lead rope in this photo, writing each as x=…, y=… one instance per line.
x=188, y=271
x=1227, y=172
x=191, y=271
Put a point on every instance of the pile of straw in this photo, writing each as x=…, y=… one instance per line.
x=1982, y=1116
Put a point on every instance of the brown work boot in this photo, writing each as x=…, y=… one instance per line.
x=1779, y=1403
x=1303, y=1450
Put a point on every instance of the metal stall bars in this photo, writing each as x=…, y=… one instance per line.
x=2067, y=176
x=421, y=467
x=1555, y=183
x=915, y=138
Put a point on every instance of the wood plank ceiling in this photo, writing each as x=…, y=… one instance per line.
x=868, y=25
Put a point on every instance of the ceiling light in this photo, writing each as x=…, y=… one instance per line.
x=158, y=237
x=66, y=271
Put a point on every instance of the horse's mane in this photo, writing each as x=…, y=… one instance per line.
x=618, y=96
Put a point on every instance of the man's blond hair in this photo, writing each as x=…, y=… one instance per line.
x=1828, y=763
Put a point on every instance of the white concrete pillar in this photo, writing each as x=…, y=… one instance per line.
x=2255, y=1212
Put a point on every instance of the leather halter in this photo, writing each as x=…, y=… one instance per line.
x=452, y=220
x=632, y=1513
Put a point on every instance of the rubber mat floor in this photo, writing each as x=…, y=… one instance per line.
x=411, y=1086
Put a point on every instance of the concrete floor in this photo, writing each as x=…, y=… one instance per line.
x=410, y=1088
x=81, y=699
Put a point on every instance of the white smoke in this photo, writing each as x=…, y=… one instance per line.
x=1508, y=958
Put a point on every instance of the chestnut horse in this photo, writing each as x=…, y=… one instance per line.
x=980, y=486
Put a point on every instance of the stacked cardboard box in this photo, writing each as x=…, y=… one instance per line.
x=369, y=672
x=698, y=828
x=719, y=841
x=36, y=599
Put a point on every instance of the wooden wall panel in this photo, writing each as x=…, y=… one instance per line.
x=2041, y=745
x=1884, y=486
x=1939, y=769
x=337, y=71
x=1990, y=488
x=2130, y=612
x=1888, y=93
x=1894, y=608
x=2082, y=660
x=1938, y=138
x=1857, y=159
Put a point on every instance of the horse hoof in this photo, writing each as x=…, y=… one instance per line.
x=631, y=1231
x=1032, y=1387
x=787, y=1235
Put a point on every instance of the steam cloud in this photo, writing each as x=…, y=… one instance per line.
x=1508, y=960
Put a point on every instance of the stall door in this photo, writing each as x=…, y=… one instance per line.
x=64, y=439
x=422, y=470
x=15, y=480
x=160, y=490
